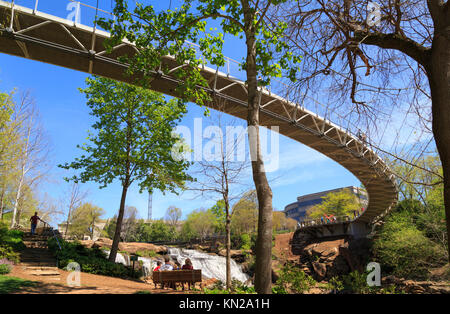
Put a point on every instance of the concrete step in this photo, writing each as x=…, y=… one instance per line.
x=44, y=273
x=42, y=268
x=41, y=260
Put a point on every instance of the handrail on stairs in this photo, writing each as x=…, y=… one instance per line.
x=47, y=225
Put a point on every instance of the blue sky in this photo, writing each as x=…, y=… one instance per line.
x=66, y=119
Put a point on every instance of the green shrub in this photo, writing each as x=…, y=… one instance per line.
x=404, y=250
x=237, y=287
x=7, y=252
x=91, y=261
x=146, y=253
x=5, y=269
x=246, y=242
x=11, y=238
x=356, y=282
x=291, y=279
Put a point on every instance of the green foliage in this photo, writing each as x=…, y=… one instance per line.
x=220, y=216
x=292, y=280
x=7, y=252
x=199, y=223
x=133, y=138
x=5, y=269
x=245, y=216
x=356, y=282
x=91, y=260
x=246, y=242
x=83, y=219
x=166, y=33
x=338, y=204
x=11, y=243
x=414, y=239
x=237, y=287
x=147, y=253
x=404, y=250
x=160, y=231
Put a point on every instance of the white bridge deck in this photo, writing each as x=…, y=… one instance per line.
x=42, y=37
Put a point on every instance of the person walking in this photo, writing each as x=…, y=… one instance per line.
x=34, y=221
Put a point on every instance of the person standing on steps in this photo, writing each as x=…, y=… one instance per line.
x=34, y=221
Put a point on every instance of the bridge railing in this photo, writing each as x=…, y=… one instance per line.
x=319, y=222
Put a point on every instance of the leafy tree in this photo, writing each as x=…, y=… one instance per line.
x=281, y=222
x=338, y=204
x=199, y=223
x=245, y=213
x=83, y=220
x=132, y=144
x=220, y=216
x=161, y=231
x=31, y=150
x=173, y=214
x=160, y=34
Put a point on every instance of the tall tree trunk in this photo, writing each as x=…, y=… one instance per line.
x=67, y=223
x=2, y=203
x=116, y=240
x=228, y=245
x=439, y=79
x=16, y=203
x=263, y=270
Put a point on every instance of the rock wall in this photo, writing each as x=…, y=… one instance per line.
x=326, y=258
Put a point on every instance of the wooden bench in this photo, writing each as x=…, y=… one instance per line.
x=171, y=277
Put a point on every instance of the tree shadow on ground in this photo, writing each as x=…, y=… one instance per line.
x=12, y=284
x=17, y=285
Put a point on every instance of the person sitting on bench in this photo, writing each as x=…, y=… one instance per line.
x=188, y=266
x=167, y=265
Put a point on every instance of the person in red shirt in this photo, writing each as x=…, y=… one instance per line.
x=158, y=266
x=34, y=222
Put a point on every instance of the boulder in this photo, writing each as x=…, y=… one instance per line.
x=320, y=270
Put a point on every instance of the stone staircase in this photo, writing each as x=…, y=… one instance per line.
x=36, y=259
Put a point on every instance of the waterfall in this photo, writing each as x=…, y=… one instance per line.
x=212, y=266
x=147, y=263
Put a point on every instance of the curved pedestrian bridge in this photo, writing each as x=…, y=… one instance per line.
x=29, y=33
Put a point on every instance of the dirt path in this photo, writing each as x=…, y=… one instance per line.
x=90, y=284
x=282, y=248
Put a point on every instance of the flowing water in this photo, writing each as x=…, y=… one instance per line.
x=212, y=266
